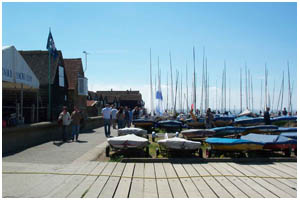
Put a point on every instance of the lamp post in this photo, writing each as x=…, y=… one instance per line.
x=86, y=53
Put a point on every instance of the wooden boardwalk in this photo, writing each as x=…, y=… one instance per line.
x=153, y=180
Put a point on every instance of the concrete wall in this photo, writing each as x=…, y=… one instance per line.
x=16, y=139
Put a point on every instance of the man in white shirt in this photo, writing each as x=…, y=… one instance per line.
x=107, y=117
x=114, y=116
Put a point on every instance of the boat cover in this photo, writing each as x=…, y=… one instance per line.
x=136, y=131
x=229, y=141
x=249, y=120
x=198, y=132
x=267, y=128
x=245, y=113
x=142, y=121
x=228, y=130
x=128, y=141
x=223, y=118
x=287, y=129
x=180, y=144
x=200, y=120
x=292, y=135
x=268, y=139
x=284, y=118
x=170, y=123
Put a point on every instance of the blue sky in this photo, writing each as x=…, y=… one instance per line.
x=118, y=37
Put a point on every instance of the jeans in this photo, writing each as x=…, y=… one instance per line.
x=120, y=124
x=75, y=131
x=65, y=134
x=107, y=127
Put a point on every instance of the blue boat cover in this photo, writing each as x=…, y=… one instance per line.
x=288, y=129
x=268, y=139
x=201, y=120
x=142, y=120
x=229, y=141
x=223, y=118
x=262, y=127
x=229, y=128
x=248, y=120
x=284, y=118
x=170, y=122
x=292, y=135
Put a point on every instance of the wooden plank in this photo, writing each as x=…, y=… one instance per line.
x=68, y=183
x=210, y=169
x=190, y=170
x=262, y=169
x=242, y=169
x=190, y=188
x=180, y=170
x=290, y=183
x=232, y=170
x=244, y=187
x=118, y=170
x=169, y=170
x=83, y=187
x=123, y=188
x=275, y=171
x=289, y=164
x=137, y=188
x=150, y=188
x=128, y=171
x=99, y=168
x=163, y=188
x=97, y=187
x=110, y=187
x=276, y=191
x=230, y=187
x=139, y=170
x=290, y=172
x=204, y=188
x=258, y=188
x=108, y=169
x=200, y=169
x=149, y=170
x=217, y=188
x=159, y=170
x=283, y=187
x=254, y=171
x=177, y=188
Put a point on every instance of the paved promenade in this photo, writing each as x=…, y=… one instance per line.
x=57, y=152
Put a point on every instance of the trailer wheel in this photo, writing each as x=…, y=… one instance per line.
x=107, y=150
x=200, y=153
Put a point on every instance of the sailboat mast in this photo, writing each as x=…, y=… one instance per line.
x=151, y=89
x=246, y=91
x=225, y=84
x=172, y=94
x=201, y=104
x=167, y=92
x=289, y=95
x=194, y=79
x=241, y=91
x=187, y=89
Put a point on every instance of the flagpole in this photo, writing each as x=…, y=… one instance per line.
x=49, y=84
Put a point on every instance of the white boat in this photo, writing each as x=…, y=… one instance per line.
x=136, y=131
x=128, y=141
x=179, y=144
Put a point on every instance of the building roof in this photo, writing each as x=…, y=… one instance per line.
x=120, y=95
x=73, y=67
x=38, y=61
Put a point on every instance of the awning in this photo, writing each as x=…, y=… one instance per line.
x=15, y=70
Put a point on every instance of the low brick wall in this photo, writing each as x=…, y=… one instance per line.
x=16, y=139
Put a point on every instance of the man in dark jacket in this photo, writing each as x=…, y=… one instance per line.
x=267, y=116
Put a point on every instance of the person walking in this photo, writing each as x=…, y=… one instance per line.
x=120, y=118
x=107, y=117
x=130, y=117
x=209, y=117
x=135, y=113
x=75, y=117
x=284, y=112
x=114, y=116
x=267, y=116
x=64, y=119
x=126, y=113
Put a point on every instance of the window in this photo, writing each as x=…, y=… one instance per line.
x=82, y=86
x=61, y=76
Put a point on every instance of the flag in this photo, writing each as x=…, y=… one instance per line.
x=51, y=45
